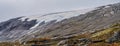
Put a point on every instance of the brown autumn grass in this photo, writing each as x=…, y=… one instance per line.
x=103, y=34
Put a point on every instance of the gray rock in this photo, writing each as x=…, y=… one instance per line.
x=115, y=37
x=100, y=18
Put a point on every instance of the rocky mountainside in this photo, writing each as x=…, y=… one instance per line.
x=88, y=27
x=27, y=25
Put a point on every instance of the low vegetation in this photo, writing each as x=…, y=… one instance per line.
x=98, y=38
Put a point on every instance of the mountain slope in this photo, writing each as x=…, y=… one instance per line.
x=100, y=18
x=68, y=26
x=18, y=27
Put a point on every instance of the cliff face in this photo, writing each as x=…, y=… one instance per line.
x=80, y=27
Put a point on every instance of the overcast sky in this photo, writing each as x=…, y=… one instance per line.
x=14, y=8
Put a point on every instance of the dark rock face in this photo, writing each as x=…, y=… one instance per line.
x=85, y=40
x=115, y=37
x=15, y=24
x=77, y=42
x=14, y=27
x=4, y=25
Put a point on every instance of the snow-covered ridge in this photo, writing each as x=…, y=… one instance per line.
x=56, y=16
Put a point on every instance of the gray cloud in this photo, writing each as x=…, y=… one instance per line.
x=15, y=8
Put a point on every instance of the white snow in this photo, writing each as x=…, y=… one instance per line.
x=107, y=6
x=55, y=16
x=112, y=12
x=35, y=25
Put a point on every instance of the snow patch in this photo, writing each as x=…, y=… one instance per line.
x=106, y=6
x=112, y=12
x=56, y=16
x=35, y=25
